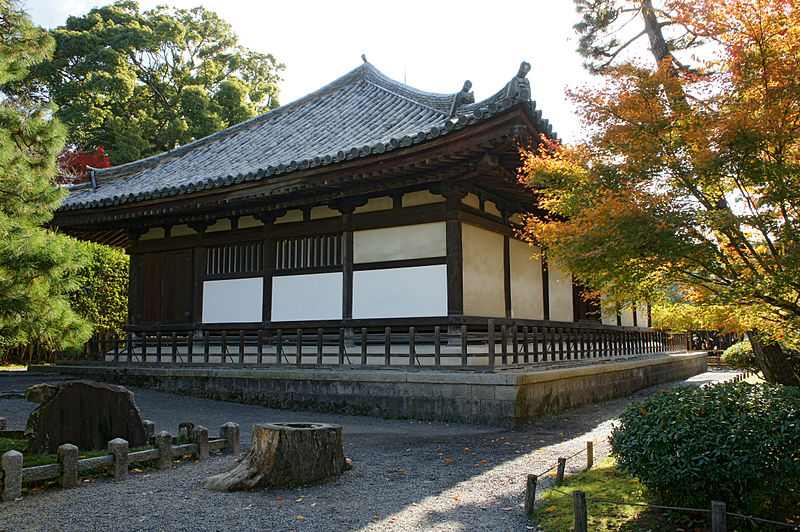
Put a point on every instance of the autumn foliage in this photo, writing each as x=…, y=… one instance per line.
x=689, y=181
x=73, y=164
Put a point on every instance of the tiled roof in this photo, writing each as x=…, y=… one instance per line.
x=360, y=114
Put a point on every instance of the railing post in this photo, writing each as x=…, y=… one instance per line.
x=118, y=448
x=190, y=347
x=163, y=442
x=504, y=344
x=230, y=433
x=579, y=507
x=364, y=346
x=464, y=346
x=525, y=346
x=491, y=345
x=68, y=458
x=12, y=476
x=387, y=346
x=412, y=347
x=719, y=517
x=341, y=346
x=437, y=346
x=278, y=345
x=299, y=347
x=320, y=345
x=241, y=347
x=260, y=347
x=206, y=347
x=174, y=357
x=199, y=435
x=158, y=347
x=515, y=343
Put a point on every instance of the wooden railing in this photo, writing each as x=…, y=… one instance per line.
x=494, y=345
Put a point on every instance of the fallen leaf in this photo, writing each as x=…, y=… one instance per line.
x=300, y=517
x=279, y=499
x=400, y=470
x=507, y=509
x=447, y=460
x=550, y=509
x=484, y=461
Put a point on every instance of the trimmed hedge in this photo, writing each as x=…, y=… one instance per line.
x=734, y=442
x=740, y=356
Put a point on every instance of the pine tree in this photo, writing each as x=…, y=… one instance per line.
x=35, y=263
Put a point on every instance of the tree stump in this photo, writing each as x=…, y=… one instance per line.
x=284, y=455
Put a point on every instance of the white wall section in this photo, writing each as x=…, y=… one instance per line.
x=233, y=300
x=560, y=285
x=400, y=292
x=484, y=285
x=526, y=281
x=417, y=241
x=314, y=296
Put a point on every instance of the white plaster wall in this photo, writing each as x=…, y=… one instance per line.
x=223, y=224
x=608, y=311
x=295, y=215
x=560, y=284
x=484, y=291
x=400, y=292
x=397, y=243
x=314, y=296
x=526, y=281
x=627, y=316
x=641, y=315
x=471, y=200
x=233, y=300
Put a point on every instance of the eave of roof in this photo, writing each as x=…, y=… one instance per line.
x=429, y=119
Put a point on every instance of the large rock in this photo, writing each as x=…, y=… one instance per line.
x=83, y=413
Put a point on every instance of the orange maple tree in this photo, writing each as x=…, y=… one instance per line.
x=690, y=177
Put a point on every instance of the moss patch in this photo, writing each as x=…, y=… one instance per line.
x=555, y=513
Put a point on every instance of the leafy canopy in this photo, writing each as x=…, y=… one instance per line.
x=140, y=83
x=691, y=175
x=35, y=263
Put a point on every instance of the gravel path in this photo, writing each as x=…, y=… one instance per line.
x=407, y=475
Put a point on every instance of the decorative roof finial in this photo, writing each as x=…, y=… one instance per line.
x=364, y=58
x=519, y=87
x=462, y=98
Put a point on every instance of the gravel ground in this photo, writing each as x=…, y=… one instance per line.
x=407, y=475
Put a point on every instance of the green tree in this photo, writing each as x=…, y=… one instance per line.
x=691, y=176
x=140, y=83
x=35, y=263
x=101, y=295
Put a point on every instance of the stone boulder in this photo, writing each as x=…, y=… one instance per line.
x=83, y=413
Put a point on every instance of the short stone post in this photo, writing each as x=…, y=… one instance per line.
x=163, y=443
x=149, y=428
x=530, y=494
x=230, y=432
x=68, y=458
x=3, y=423
x=118, y=448
x=579, y=509
x=184, y=431
x=200, y=437
x=719, y=516
x=12, y=476
x=562, y=463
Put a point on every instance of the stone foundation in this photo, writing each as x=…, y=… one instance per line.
x=505, y=398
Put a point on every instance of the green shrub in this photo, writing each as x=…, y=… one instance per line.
x=740, y=356
x=735, y=442
x=102, y=294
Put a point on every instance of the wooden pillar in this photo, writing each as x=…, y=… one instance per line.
x=545, y=288
x=347, y=262
x=455, y=252
x=507, y=273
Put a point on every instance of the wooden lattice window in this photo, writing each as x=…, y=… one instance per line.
x=235, y=259
x=322, y=251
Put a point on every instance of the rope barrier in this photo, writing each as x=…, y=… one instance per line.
x=607, y=501
x=751, y=518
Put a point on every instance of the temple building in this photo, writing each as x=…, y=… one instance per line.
x=365, y=203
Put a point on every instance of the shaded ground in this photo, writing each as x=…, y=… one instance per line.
x=408, y=475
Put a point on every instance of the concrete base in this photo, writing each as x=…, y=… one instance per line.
x=507, y=398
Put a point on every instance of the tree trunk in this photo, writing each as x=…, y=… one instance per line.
x=773, y=362
x=284, y=455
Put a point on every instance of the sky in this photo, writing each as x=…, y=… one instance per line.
x=432, y=45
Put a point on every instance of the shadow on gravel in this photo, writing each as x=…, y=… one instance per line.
x=434, y=476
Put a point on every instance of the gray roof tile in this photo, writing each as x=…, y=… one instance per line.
x=360, y=114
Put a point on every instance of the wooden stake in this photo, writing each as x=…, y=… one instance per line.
x=579, y=508
x=719, y=517
x=530, y=494
x=589, y=454
x=562, y=462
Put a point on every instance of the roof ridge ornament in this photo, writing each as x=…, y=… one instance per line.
x=520, y=87
x=364, y=58
x=462, y=98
